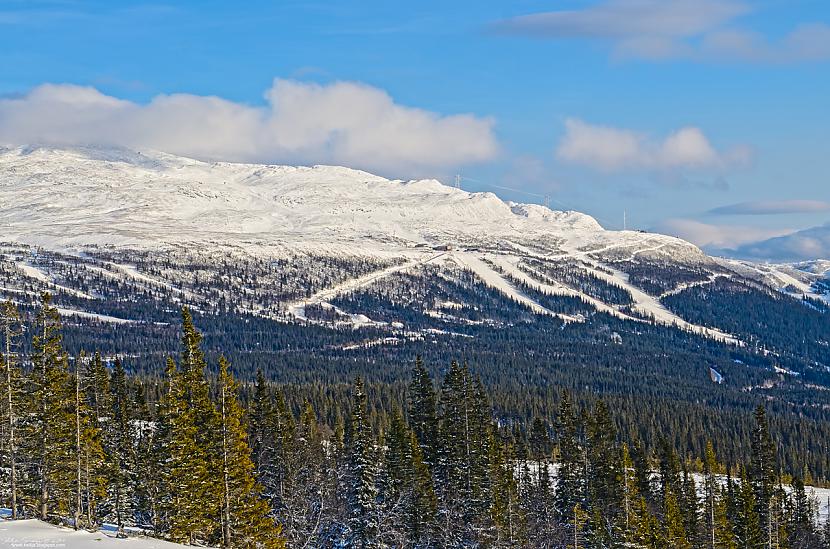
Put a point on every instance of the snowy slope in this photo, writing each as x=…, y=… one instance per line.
x=77, y=197
x=74, y=199
x=34, y=533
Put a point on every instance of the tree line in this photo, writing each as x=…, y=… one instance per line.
x=186, y=458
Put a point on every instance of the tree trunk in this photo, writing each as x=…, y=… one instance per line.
x=226, y=503
x=11, y=417
x=78, y=461
x=44, y=485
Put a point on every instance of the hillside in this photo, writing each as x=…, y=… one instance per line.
x=318, y=274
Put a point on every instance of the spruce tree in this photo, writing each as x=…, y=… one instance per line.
x=422, y=412
x=362, y=471
x=762, y=473
x=507, y=515
x=245, y=516
x=11, y=326
x=195, y=495
x=121, y=450
x=604, y=476
x=710, y=493
x=570, y=475
x=50, y=439
x=747, y=527
x=424, y=503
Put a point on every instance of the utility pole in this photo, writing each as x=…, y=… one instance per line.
x=625, y=221
x=547, y=201
x=458, y=181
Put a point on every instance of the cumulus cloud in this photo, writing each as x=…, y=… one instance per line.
x=772, y=207
x=341, y=123
x=715, y=237
x=661, y=29
x=613, y=149
x=813, y=243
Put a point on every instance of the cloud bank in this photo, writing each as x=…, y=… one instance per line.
x=812, y=243
x=749, y=242
x=716, y=237
x=614, y=149
x=344, y=123
x=661, y=29
x=772, y=207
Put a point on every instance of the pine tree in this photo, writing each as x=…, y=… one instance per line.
x=505, y=511
x=603, y=478
x=361, y=488
x=630, y=496
x=723, y=535
x=121, y=451
x=196, y=497
x=570, y=476
x=541, y=492
x=11, y=326
x=674, y=522
x=245, y=516
x=398, y=457
x=422, y=412
x=261, y=414
x=50, y=436
x=762, y=473
x=747, y=527
x=424, y=504
x=710, y=492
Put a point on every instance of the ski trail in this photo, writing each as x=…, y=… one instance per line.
x=643, y=302
x=94, y=316
x=33, y=272
x=297, y=308
x=557, y=288
x=695, y=284
x=496, y=281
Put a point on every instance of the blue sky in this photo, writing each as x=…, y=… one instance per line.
x=667, y=109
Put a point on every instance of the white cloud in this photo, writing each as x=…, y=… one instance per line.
x=716, y=237
x=613, y=149
x=341, y=123
x=661, y=29
x=772, y=207
x=813, y=243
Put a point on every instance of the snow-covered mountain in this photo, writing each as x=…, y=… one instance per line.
x=77, y=197
x=83, y=201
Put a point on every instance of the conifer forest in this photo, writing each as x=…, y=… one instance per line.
x=197, y=457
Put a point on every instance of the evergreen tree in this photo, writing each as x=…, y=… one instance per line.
x=422, y=412
x=747, y=527
x=49, y=433
x=361, y=489
x=603, y=476
x=120, y=449
x=424, y=503
x=710, y=494
x=674, y=522
x=90, y=474
x=11, y=326
x=195, y=495
x=570, y=475
x=762, y=473
x=245, y=516
x=507, y=515
x=723, y=535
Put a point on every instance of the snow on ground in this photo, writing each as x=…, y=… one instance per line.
x=33, y=272
x=31, y=533
x=496, y=281
x=93, y=316
x=297, y=309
